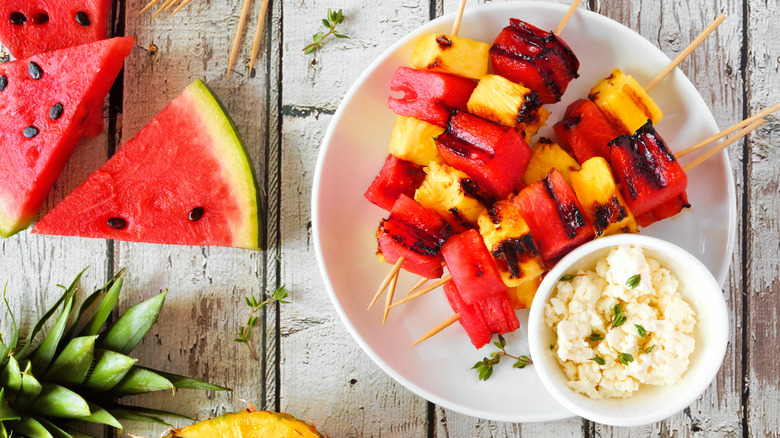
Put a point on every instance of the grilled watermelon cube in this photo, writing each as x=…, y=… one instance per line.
x=599, y=196
x=397, y=177
x=412, y=140
x=428, y=95
x=509, y=240
x=556, y=218
x=451, y=54
x=624, y=102
x=585, y=131
x=471, y=318
x=471, y=266
x=499, y=314
x=646, y=169
x=545, y=155
x=535, y=58
x=502, y=101
x=664, y=211
x=452, y=194
x=494, y=156
x=397, y=239
x=410, y=212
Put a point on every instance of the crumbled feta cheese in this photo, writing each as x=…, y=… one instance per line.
x=585, y=306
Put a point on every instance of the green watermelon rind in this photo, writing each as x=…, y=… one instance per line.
x=234, y=160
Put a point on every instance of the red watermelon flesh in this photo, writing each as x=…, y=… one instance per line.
x=183, y=179
x=30, y=27
x=34, y=146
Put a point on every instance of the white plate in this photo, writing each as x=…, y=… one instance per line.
x=344, y=223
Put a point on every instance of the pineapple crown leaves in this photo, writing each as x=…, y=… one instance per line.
x=69, y=373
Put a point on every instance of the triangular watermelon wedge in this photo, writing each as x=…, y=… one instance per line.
x=183, y=179
x=45, y=104
x=30, y=27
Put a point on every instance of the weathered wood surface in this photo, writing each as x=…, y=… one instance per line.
x=309, y=363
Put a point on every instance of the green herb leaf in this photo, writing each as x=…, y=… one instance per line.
x=331, y=20
x=599, y=360
x=625, y=358
x=566, y=277
x=485, y=366
x=596, y=337
x=647, y=349
x=256, y=305
x=552, y=346
x=619, y=318
x=641, y=330
x=633, y=281
x=522, y=362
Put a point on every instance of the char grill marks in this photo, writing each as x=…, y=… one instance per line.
x=571, y=217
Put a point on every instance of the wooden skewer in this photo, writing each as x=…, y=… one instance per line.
x=458, y=18
x=390, y=294
x=182, y=5
x=572, y=9
x=258, y=32
x=668, y=69
x=728, y=131
x=705, y=156
x=451, y=320
x=419, y=284
x=148, y=5
x=170, y=5
x=237, y=38
x=422, y=291
x=162, y=7
x=390, y=275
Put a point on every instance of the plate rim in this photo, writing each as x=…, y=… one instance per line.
x=325, y=145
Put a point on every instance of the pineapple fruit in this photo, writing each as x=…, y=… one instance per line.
x=451, y=54
x=502, y=101
x=522, y=296
x=249, y=423
x=596, y=190
x=625, y=103
x=412, y=140
x=78, y=370
x=545, y=155
x=449, y=192
x=508, y=238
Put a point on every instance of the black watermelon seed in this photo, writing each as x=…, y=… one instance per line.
x=3, y=82
x=36, y=72
x=40, y=18
x=82, y=18
x=116, y=223
x=196, y=213
x=30, y=131
x=17, y=18
x=56, y=111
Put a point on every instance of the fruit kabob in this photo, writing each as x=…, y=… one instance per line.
x=494, y=169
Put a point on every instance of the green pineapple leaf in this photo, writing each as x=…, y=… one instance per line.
x=126, y=414
x=6, y=349
x=53, y=429
x=132, y=326
x=152, y=412
x=105, y=307
x=110, y=368
x=183, y=382
x=44, y=353
x=140, y=381
x=72, y=364
x=29, y=389
x=60, y=402
x=6, y=413
x=11, y=376
x=30, y=427
x=101, y=416
x=77, y=434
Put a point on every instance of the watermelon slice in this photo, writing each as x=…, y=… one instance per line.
x=42, y=120
x=30, y=27
x=183, y=179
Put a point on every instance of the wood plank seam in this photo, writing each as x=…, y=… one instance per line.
x=744, y=227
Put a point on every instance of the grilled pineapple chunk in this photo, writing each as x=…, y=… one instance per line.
x=547, y=154
x=508, y=238
x=503, y=101
x=522, y=296
x=596, y=190
x=412, y=140
x=624, y=102
x=446, y=191
x=451, y=54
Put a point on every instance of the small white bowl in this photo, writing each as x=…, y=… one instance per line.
x=650, y=403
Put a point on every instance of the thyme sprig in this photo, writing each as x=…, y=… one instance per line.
x=485, y=366
x=633, y=281
x=619, y=318
x=330, y=22
x=256, y=305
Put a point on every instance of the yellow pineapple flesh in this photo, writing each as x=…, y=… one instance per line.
x=508, y=239
x=412, y=140
x=522, y=296
x=595, y=188
x=624, y=102
x=503, y=101
x=545, y=155
x=248, y=424
x=451, y=54
x=445, y=190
